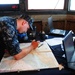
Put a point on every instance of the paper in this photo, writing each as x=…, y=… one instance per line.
x=43, y=48
x=41, y=58
x=54, y=41
x=23, y=45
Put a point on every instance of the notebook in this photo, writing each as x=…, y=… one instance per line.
x=69, y=49
x=53, y=30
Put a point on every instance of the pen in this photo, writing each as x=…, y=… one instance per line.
x=40, y=45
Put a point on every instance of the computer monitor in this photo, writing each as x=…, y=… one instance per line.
x=54, y=30
x=68, y=46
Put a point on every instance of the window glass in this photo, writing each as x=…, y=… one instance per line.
x=9, y=1
x=72, y=4
x=45, y=4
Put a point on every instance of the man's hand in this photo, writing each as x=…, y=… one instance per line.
x=27, y=50
x=35, y=44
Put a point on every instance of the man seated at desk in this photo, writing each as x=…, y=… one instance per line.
x=9, y=36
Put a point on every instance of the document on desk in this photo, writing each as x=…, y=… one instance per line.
x=41, y=58
x=54, y=41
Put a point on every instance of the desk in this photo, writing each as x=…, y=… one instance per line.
x=54, y=71
x=42, y=72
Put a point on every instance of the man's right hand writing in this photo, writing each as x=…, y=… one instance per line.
x=35, y=44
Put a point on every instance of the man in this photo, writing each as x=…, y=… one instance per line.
x=9, y=36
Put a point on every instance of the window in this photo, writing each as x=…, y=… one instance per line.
x=9, y=2
x=72, y=5
x=45, y=4
x=8, y=7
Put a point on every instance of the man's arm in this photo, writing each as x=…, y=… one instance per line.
x=12, y=44
x=26, y=50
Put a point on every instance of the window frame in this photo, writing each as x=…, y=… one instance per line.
x=46, y=11
x=68, y=9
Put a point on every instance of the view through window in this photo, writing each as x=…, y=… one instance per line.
x=72, y=5
x=9, y=1
x=45, y=4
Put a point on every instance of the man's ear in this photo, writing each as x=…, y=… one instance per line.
x=23, y=22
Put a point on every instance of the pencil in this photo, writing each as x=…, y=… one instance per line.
x=40, y=45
